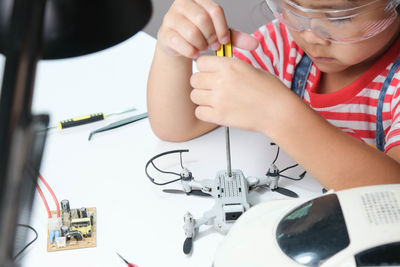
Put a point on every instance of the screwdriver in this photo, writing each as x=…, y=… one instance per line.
x=226, y=51
x=127, y=262
x=77, y=121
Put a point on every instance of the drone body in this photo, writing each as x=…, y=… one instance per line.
x=231, y=201
x=230, y=190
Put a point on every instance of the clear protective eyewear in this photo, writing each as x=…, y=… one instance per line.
x=349, y=25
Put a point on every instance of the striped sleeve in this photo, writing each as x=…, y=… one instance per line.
x=393, y=135
x=275, y=51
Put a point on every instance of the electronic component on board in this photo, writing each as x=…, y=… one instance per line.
x=64, y=230
x=61, y=242
x=51, y=237
x=83, y=225
x=66, y=212
x=75, y=229
x=83, y=212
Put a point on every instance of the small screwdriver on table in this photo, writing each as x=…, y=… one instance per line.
x=127, y=262
x=86, y=119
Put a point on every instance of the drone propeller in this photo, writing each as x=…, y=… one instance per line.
x=195, y=192
x=286, y=192
x=283, y=191
x=187, y=245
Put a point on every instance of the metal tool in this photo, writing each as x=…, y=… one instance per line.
x=228, y=151
x=226, y=51
x=77, y=121
x=127, y=262
x=118, y=124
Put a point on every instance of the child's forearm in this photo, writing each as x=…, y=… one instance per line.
x=333, y=157
x=171, y=112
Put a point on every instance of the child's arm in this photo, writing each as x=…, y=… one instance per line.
x=233, y=93
x=170, y=110
x=188, y=28
x=335, y=158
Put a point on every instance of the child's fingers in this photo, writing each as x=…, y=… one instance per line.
x=217, y=15
x=201, y=18
x=190, y=32
x=244, y=41
x=204, y=80
x=205, y=113
x=209, y=64
x=178, y=44
x=201, y=97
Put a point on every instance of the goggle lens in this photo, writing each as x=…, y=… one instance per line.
x=341, y=26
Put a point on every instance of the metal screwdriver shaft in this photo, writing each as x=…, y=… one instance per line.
x=228, y=152
x=226, y=51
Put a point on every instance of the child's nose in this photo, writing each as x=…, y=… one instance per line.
x=311, y=37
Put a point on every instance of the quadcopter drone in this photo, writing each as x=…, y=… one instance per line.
x=230, y=189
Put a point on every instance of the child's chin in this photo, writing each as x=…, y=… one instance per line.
x=330, y=67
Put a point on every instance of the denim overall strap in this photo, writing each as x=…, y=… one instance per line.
x=380, y=134
x=300, y=76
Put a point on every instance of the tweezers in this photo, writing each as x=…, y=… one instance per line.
x=118, y=124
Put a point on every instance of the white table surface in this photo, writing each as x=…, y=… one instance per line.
x=134, y=217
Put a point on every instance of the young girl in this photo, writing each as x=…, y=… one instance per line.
x=339, y=56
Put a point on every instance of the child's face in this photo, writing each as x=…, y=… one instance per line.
x=336, y=57
x=338, y=34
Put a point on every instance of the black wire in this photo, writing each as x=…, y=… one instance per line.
x=287, y=168
x=31, y=242
x=277, y=155
x=160, y=155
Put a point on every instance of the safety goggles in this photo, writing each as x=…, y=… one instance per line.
x=342, y=24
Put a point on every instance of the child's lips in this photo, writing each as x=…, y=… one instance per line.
x=321, y=59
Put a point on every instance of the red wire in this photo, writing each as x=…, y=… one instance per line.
x=44, y=200
x=52, y=194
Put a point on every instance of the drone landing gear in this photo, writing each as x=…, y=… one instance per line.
x=191, y=226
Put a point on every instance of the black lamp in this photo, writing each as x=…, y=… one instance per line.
x=31, y=30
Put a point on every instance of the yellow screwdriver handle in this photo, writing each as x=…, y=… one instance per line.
x=226, y=49
x=81, y=120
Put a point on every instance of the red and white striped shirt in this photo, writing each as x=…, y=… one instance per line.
x=352, y=108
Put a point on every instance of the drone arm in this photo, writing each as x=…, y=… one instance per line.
x=259, y=181
x=253, y=181
x=195, y=185
x=270, y=179
x=191, y=225
x=201, y=221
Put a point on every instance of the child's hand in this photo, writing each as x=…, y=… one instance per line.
x=231, y=92
x=192, y=26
